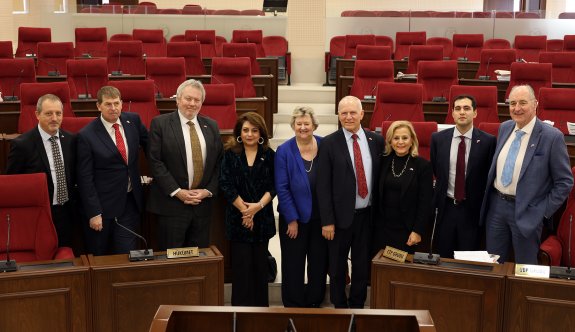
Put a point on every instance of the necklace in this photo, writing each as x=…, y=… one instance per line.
x=393, y=167
x=310, y=167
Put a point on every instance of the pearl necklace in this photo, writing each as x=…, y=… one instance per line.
x=310, y=167
x=393, y=167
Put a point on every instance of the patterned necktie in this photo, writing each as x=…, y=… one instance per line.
x=61, y=187
x=359, y=171
x=120, y=142
x=197, y=159
x=509, y=166
x=459, y=190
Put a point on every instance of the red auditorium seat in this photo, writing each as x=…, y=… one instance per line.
x=193, y=10
x=372, y=52
x=236, y=71
x=86, y=76
x=529, y=47
x=220, y=41
x=527, y=15
x=167, y=74
x=397, y=101
x=138, y=96
x=91, y=41
x=226, y=12
x=52, y=58
x=127, y=57
x=422, y=52
x=111, y=9
x=503, y=14
x=6, y=51
x=192, y=54
x=220, y=104
x=403, y=40
x=490, y=127
x=384, y=41
x=121, y=37
x=207, y=39
x=446, y=43
x=336, y=51
x=248, y=50
x=467, y=46
x=569, y=43
x=479, y=14
x=537, y=75
x=554, y=45
x=556, y=104
x=486, y=102
x=250, y=36
x=178, y=39
x=32, y=234
x=496, y=43
x=170, y=11
x=352, y=41
x=498, y=59
x=562, y=65
x=153, y=41
x=367, y=73
x=423, y=130
x=567, y=15
x=437, y=77
x=29, y=37
x=277, y=46
x=13, y=72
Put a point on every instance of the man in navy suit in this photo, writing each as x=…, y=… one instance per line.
x=530, y=177
x=108, y=175
x=348, y=160
x=458, y=210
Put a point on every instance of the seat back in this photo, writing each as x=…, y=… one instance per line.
x=248, y=50
x=529, y=47
x=397, y=101
x=126, y=56
x=193, y=10
x=495, y=59
x=496, y=44
x=556, y=104
x=236, y=71
x=467, y=46
x=554, y=45
x=220, y=41
x=485, y=98
x=192, y=54
x=220, y=104
x=28, y=39
x=403, y=40
x=537, y=75
x=121, y=37
x=352, y=41
x=153, y=41
x=86, y=76
x=92, y=41
x=437, y=77
x=6, y=49
x=15, y=71
x=446, y=43
x=336, y=51
x=562, y=65
x=490, y=127
x=569, y=43
x=138, y=97
x=177, y=38
x=277, y=46
x=207, y=39
x=31, y=92
x=373, y=52
x=422, y=52
x=423, y=130
x=367, y=73
x=250, y=36
x=167, y=74
x=563, y=230
x=52, y=57
x=111, y=9
x=384, y=41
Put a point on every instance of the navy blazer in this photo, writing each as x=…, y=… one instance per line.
x=292, y=184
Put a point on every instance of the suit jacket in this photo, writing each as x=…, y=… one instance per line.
x=168, y=165
x=336, y=183
x=545, y=179
x=28, y=155
x=102, y=173
x=480, y=157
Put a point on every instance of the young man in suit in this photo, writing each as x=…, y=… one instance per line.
x=347, y=162
x=530, y=177
x=109, y=176
x=460, y=158
x=185, y=154
x=48, y=149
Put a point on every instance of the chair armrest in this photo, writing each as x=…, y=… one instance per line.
x=64, y=253
x=551, y=251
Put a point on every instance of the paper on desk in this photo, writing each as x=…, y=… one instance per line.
x=571, y=128
x=402, y=75
x=476, y=256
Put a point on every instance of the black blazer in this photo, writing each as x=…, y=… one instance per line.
x=336, y=183
x=479, y=161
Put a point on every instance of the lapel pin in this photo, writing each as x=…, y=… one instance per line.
x=532, y=145
x=205, y=126
x=478, y=141
x=369, y=138
x=411, y=169
x=262, y=159
x=128, y=121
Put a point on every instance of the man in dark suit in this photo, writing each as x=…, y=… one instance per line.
x=460, y=178
x=530, y=177
x=347, y=162
x=48, y=149
x=185, y=154
x=108, y=175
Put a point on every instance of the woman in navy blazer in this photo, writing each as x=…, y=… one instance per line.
x=299, y=224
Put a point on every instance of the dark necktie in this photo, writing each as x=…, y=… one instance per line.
x=459, y=190
x=61, y=187
x=120, y=142
x=197, y=159
x=359, y=171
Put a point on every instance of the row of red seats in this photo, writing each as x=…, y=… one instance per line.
x=149, y=9
x=449, y=14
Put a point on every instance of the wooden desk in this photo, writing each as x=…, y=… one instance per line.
x=458, y=298
x=126, y=295
x=209, y=319
x=41, y=296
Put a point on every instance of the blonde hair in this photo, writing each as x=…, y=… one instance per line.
x=413, y=150
x=300, y=111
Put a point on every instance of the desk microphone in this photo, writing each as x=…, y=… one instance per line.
x=439, y=99
x=118, y=72
x=9, y=265
x=371, y=96
x=428, y=258
x=13, y=97
x=486, y=77
x=291, y=326
x=86, y=95
x=158, y=94
x=55, y=71
x=560, y=271
x=351, y=327
x=464, y=57
x=138, y=255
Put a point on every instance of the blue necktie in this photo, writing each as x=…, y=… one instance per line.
x=507, y=175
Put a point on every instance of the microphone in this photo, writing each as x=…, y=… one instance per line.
x=439, y=99
x=291, y=326
x=351, y=327
x=54, y=72
x=371, y=96
x=9, y=265
x=86, y=95
x=32, y=53
x=428, y=258
x=564, y=272
x=486, y=77
x=13, y=97
x=464, y=57
x=138, y=255
x=118, y=72
x=158, y=94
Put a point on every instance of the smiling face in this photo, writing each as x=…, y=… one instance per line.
x=522, y=106
x=463, y=114
x=250, y=134
x=401, y=141
x=350, y=113
x=111, y=108
x=303, y=127
x=189, y=102
x=50, y=117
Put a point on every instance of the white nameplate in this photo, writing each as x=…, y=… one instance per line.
x=183, y=252
x=395, y=254
x=532, y=271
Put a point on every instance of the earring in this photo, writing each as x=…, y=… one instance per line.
x=261, y=141
x=239, y=139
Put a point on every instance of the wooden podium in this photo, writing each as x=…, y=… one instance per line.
x=460, y=295
x=210, y=319
x=126, y=295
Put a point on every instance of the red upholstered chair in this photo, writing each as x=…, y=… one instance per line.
x=403, y=40
x=226, y=12
x=277, y=46
x=352, y=41
x=167, y=74
x=252, y=12
x=504, y=14
x=144, y=9
x=178, y=39
x=563, y=65
x=91, y=41
x=496, y=43
x=127, y=57
x=437, y=77
x=121, y=37
x=52, y=57
x=556, y=104
x=490, y=127
x=250, y=36
x=170, y=11
x=111, y=9
x=529, y=47
x=29, y=37
x=384, y=41
x=6, y=49
x=138, y=96
x=220, y=41
x=193, y=10
x=422, y=52
x=569, y=43
x=446, y=43
x=153, y=41
x=32, y=234
x=554, y=45
x=236, y=71
x=485, y=98
x=397, y=101
x=192, y=54
x=367, y=73
x=497, y=60
x=247, y=50
x=86, y=76
x=467, y=46
x=553, y=251
x=74, y=125
x=220, y=104
x=423, y=130
x=479, y=14
x=336, y=51
x=527, y=15
x=31, y=92
x=567, y=15
x=537, y=75
x=372, y=52
x=207, y=39
x=13, y=72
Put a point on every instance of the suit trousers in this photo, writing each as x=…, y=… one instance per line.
x=62, y=217
x=186, y=230
x=456, y=230
x=249, y=273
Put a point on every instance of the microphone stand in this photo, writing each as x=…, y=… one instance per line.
x=9, y=265
x=138, y=255
x=560, y=271
x=486, y=77
x=428, y=258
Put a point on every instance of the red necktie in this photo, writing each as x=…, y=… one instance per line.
x=120, y=142
x=359, y=171
x=459, y=190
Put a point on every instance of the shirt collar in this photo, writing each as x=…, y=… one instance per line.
x=528, y=127
x=360, y=133
x=109, y=125
x=184, y=120
x=45, y=136
x=468, y=134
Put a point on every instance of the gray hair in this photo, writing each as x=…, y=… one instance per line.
x=303, y=111
x=193, y=83
x=350, y=99
x=526, y=86
x=50, y=97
